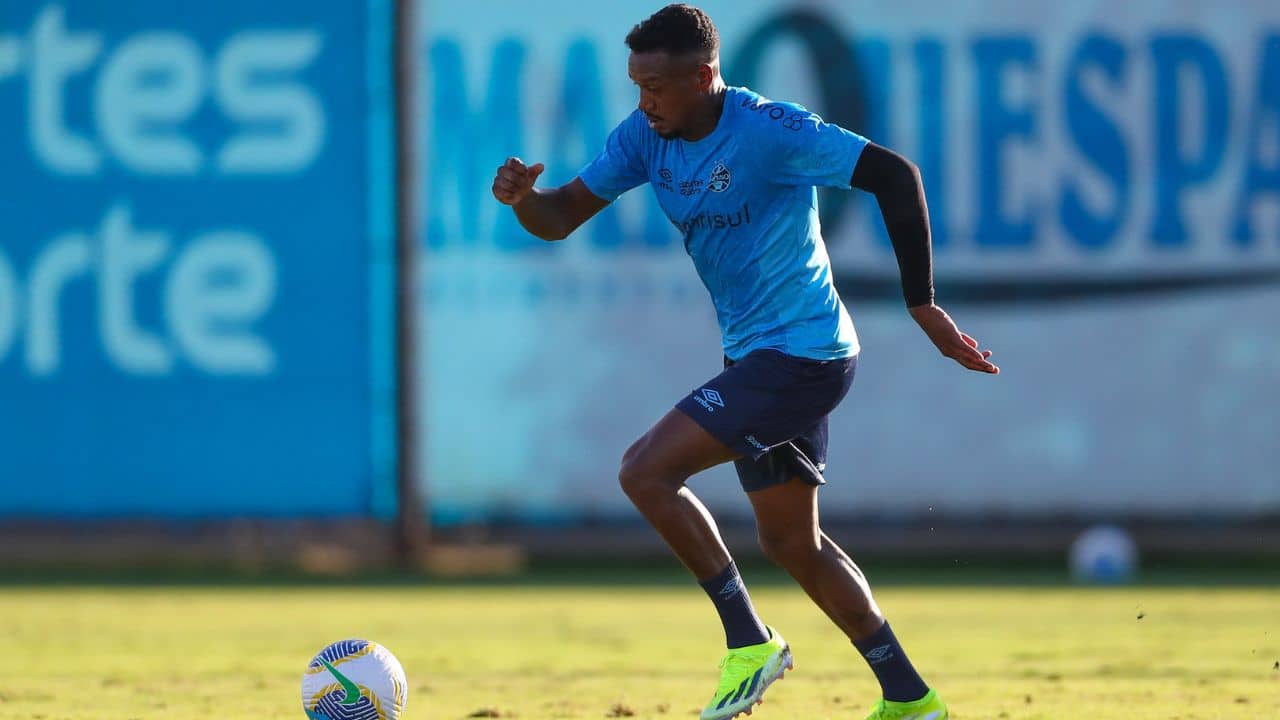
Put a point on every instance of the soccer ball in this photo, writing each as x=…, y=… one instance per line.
x=1103, y=554
x=354, y=680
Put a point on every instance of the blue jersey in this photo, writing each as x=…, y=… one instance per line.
x=744, y=199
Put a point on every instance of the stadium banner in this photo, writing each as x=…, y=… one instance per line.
x=194, y=311
x=1104, y=183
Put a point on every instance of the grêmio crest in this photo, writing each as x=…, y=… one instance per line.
x=720, y=178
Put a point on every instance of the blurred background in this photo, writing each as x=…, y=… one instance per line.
x=259, y=311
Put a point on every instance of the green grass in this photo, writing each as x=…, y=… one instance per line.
x=191, y=652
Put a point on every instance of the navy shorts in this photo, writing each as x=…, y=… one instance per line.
x=772, y=409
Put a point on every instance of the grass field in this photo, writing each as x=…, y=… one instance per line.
x=124, y=653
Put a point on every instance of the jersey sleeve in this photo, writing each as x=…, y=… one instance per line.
x=809, y=151
x=620, y=166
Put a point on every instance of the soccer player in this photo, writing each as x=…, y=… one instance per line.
x=736, y=173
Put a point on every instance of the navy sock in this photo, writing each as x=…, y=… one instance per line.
x=742, y=626
x=898, y=679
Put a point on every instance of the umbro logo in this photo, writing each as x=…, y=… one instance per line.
x=730, y=588
x=879, y=654
x=709, y=399
x=935, y=715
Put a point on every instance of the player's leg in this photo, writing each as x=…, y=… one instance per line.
x=653, y=474
x=791, y=536
x=762, y=400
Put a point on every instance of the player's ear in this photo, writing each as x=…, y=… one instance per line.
x=705, y=76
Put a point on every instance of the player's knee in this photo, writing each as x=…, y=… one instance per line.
x=788, y=549
x=633, y=475
x=645, y=474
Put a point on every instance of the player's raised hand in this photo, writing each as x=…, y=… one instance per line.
x=515, y=180
x=952, y=343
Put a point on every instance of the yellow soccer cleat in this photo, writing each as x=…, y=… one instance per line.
x=929, y=707
x=745, y=673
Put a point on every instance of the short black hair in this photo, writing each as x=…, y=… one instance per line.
x=677, y=29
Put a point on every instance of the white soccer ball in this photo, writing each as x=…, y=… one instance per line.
x=1103, y=554
x=354, y=680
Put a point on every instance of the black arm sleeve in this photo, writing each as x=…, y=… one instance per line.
x=895, y=182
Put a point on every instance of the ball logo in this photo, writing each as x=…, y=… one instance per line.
x=720, y=178
x=369, y=685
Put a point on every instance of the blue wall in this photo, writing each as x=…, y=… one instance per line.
x=194, y=305
x=1104, y=192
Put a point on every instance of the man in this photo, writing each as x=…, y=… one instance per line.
x=736, y=173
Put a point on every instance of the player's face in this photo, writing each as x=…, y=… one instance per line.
x=671, y=89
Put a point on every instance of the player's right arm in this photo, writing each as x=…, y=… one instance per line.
x=555, y=213
x=551, y=214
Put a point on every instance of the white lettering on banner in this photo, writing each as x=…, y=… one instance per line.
x=10, y=310
x=148, y=87
x=55, y=56
x=217, y=288
x=144, y=91
x=294, y=116
x=210, y=318
x=64, y=259
x=10, y=56
x=152, y=83
x=126, y=255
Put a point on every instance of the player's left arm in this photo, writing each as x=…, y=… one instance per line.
x=896, y=183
